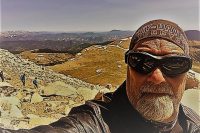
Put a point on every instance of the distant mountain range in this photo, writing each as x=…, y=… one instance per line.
x=193, y=35
x=19, y=41
x=85, y=37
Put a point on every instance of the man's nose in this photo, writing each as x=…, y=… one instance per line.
x=156, y=77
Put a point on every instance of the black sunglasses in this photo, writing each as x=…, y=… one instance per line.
x=145, y=63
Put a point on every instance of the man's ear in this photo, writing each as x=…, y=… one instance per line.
x=193, y=80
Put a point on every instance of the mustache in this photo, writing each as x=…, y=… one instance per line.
x=162, y=88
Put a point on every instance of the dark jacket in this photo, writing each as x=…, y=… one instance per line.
x=113, y=113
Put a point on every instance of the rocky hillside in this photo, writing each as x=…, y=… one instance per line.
x=27, y=106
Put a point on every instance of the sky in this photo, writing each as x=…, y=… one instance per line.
x=95, y=15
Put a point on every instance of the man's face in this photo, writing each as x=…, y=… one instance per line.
x=156, y=96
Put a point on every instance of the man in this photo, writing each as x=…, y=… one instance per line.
x=149, y=100
x=2, y=76
x=23, y=79
x=35, y=83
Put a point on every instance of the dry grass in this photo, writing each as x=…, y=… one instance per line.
x=104, y=61
x=97, y=65
x=46, y=58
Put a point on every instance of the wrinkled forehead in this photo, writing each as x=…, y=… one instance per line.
x=160, y=45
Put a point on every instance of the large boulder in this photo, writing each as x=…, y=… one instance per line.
x=58, y=88
x=10, y=107
x=87, y=93
x=36, y=98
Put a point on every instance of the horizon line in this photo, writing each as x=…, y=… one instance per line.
x=62, y=31
x=76, y=31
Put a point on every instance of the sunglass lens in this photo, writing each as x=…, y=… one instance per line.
x=175, y=66
x=141, y=63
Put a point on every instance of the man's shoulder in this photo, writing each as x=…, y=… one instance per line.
x=89, y=115
x=191, y=115
x=191, y=118
x=83, y=118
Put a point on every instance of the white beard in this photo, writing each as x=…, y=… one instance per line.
x=156, y=108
